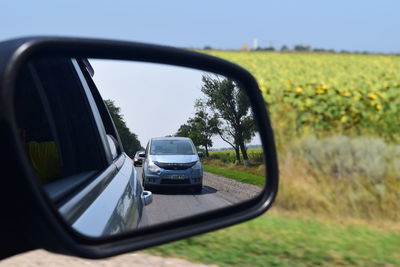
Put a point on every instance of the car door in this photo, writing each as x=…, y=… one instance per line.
x=96, y=189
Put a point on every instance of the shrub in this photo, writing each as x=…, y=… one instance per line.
x=344, y=157
x=341, y=176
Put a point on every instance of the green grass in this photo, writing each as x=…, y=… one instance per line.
x=240, y=176
x=274, y=240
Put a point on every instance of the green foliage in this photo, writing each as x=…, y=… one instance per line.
x=228, y=156
x=200, y=129
x=241, y=176
x=232, y=107
x=129, y=140
x=302, y=48
x=273, y=240
x=342, y=157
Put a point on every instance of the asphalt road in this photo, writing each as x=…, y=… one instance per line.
x=217, y=192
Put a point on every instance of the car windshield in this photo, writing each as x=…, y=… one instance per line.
x=171, y=147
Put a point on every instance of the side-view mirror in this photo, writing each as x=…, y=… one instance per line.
x=70, y=130
x=147, y=197
x=113, y=146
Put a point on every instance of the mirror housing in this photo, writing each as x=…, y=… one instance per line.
x=41, y=224
x=200, y=154
x=147, y=197
x=142, y=155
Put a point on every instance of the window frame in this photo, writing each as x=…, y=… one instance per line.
x=57, y=190
x=108, y=123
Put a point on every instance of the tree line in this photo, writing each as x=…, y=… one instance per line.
x=302, y=48
x=129, y=140
x=224, y=111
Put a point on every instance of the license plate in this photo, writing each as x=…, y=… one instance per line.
x=176, y=176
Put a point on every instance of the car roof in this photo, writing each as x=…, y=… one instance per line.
x=170, y=138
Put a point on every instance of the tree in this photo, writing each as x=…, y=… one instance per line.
x=200, y=129
x=285, y=48
x=129, y=140
x=231, y=107
x=302, y=48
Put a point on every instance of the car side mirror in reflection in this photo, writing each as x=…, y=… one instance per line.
x=147, y=197
x=82, y=167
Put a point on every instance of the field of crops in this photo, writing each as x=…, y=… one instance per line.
x=327, y=93
x=336, y=120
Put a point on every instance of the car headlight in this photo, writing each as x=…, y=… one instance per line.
x=153, y=167
x=197, y=166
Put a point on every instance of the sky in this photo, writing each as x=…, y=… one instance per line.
x=155, y=100
x=361, y=25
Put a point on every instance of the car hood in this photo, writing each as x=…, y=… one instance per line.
x=174, y=158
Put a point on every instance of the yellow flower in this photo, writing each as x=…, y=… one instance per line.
x=372, y=96
x=378, y=107
x=344, y=119
x=346, y=94
x=298, y=90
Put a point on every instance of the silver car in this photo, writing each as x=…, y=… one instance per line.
x=172, y=162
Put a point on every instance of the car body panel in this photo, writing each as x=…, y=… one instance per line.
x=115, y=210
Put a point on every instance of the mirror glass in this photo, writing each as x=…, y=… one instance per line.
x=121, y=145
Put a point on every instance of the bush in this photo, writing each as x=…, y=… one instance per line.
x=344, y=157
x=341, y=176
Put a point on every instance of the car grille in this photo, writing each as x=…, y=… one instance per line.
x=175, y=166
x=175, y=181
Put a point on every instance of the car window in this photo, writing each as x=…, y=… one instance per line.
x=88, y=72
x=55, y=122
x=171, y=147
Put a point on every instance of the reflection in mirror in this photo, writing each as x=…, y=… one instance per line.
x=121, y=145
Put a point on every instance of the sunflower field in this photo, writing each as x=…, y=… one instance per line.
x=326, y=94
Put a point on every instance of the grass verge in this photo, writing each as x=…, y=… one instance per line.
x=241, y=176
x=274, y=240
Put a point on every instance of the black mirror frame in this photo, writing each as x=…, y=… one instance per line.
x=41, y=226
